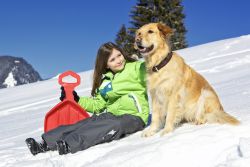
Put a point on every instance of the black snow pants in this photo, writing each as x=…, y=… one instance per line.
x=93, y=130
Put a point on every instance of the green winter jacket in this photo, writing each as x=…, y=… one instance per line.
x=122, y=93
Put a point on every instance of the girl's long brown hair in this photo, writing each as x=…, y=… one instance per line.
x=101, y=63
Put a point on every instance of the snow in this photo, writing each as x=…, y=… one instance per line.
x=10, y=80
x=225, y=64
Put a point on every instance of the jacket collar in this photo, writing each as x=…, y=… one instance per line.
x=108, y=75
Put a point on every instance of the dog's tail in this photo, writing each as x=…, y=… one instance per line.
x=224, y=118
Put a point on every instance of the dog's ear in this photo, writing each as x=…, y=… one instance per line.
x=165, y=30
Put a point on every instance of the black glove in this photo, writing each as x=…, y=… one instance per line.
x=76, y=97
x=63, y=95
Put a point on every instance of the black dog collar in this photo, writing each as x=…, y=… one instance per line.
x=163, y=62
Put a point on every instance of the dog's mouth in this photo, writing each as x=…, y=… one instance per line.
x=145, y=49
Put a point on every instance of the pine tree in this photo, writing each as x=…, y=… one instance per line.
x=169, y=12
x=121, y=37
x=123, y=40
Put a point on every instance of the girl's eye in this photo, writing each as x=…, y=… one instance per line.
x=150, y=31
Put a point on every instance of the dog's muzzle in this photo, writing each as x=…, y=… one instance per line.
x=143, y=49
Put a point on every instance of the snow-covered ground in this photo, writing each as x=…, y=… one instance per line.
x=225, y=64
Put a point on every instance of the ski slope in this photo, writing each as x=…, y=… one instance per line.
x=225, y=64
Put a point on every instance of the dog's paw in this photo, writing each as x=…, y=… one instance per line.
x=163, y=133
x=148, y=133
x=166, y=131
x=199, y=122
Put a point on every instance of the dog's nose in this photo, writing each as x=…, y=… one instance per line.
x=137, y=39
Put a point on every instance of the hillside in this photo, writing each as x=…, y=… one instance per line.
x=225, y=64
x=16, y=71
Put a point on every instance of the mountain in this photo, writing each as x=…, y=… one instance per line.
x=225, y=64
x=16, y=71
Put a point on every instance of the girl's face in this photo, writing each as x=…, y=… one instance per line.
x=116, y=61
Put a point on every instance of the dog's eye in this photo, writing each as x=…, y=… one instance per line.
x=150, y=31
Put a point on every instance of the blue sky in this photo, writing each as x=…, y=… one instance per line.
x=59, y=35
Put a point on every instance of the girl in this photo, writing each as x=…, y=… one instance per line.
x=119, y=104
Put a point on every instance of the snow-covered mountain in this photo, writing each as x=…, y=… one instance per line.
x=16, y=71
x=225, y=64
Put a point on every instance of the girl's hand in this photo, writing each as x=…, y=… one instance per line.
x=63, y=95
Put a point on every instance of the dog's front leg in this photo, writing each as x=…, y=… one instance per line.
x=171, y=118
x=156, y=123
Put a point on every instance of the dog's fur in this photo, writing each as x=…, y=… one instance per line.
x=178, y=92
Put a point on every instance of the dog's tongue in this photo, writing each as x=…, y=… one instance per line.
x=143, y=50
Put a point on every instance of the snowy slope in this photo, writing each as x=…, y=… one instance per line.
x=225, y=64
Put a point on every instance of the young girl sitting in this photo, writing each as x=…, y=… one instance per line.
x=119, y=104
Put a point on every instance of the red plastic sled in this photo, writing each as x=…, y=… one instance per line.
x=68, y=111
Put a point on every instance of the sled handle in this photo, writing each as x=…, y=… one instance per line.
x=69, y=87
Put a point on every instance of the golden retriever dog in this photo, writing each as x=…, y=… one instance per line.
x=178, y=92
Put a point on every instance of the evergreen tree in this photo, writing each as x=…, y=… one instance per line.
x=169, y=12
x=123, y=40
x=121, y=36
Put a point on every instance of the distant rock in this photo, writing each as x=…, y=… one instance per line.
x=16, y=71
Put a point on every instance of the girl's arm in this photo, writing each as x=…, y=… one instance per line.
x=93, y=104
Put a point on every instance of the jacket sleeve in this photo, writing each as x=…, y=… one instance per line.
x=141, y=69
x=93, y=104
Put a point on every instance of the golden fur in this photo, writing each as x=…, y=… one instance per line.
x=178, y=92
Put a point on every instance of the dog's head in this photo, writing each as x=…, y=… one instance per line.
x=151, y=37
